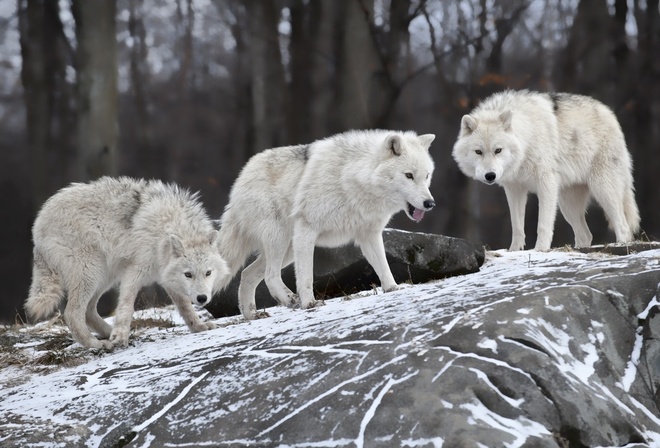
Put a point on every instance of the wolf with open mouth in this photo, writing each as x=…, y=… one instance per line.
x=329, y=193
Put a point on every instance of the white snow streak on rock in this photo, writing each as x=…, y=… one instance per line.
x=631, y=368
x=520, y=429
x=359, y=442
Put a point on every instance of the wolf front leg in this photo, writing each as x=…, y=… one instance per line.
x=304, y=240
x=516, y=196
x=373, y=250
x=128, y=291
x=548, y=194
x=190, y=317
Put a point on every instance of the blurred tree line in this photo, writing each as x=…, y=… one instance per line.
x=187, y=90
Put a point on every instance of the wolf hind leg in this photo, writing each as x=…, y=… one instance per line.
x=630, y=209
x=278, y=258
x=609, y=190
x=46, y=290
x=74, y=315
x=251, y=276
x=94, y=320
x=573, y=202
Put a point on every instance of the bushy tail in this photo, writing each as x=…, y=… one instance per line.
x=46, y=291
x=234, y=248
x=630, y=210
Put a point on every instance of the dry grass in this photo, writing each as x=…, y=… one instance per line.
x=48, y=345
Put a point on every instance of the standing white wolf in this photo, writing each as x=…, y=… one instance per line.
x=89, y=237
x=329, y=193
x=563, y=147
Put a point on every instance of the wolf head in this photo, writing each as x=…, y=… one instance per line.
x=487, y=148
x=193, y=267
x=408, y=168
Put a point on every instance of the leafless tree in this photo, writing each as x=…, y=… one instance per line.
x=97, y=95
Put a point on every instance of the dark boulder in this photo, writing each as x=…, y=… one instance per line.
x=413, y=258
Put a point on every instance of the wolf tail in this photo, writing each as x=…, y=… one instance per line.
x=46, y=291
x=631, y=211
x=234, y=247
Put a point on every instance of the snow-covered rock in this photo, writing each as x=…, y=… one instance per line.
x=537, y=349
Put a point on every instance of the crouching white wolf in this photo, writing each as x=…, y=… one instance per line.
x=563, y=147
x=89, y=237
x=329, y=193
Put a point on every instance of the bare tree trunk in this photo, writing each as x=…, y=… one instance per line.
x=646, y=114
x=241, y=138
x=585, y=62
x=149, y=162
x=304, y=23
x=97, y=87
x=357, y=64
x=325, y=118
x=43, y=46
x=504, y=26
x=269, y=101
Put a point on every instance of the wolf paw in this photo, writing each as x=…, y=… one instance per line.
x=313, y=304
x=101, y=344
x=292, y=301
x=394, y=287
x=251, y=313
x=119, y=338
x=203, y=326
x=261, y=314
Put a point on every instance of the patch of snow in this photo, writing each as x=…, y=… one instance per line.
x=483, y=377
x=631, y=368
x=435, y=442
x=653, y=303
x=488, y=344
x=359, y=442
x=520, y=429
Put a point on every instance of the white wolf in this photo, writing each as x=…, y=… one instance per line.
x=338, y=190
x=563, y=147
x=89, y=237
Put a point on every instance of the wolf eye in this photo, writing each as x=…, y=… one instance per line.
x=188, y=274
x=479, y=151
x=208, y=273
x=498, y=150
x=410, y=175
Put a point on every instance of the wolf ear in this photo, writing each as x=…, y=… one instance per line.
x=468, y=125
x=393, y=143
x=176, y=245
x=213, y=237
x=426, y=140
x=505, y=118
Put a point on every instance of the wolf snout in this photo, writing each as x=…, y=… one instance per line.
x=429, y=204
x=201, y=299
x=490, y=177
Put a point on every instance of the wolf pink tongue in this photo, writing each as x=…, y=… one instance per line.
x=418, y=214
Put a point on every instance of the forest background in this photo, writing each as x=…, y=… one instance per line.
x=187, y=90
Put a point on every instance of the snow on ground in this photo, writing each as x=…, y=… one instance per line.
x=162, y=355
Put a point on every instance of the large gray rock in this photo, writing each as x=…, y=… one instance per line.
x=554, y=349
x=413, y=257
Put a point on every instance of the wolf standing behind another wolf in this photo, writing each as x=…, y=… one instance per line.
x=563, y=147
x=89, y=237
x=329, y=193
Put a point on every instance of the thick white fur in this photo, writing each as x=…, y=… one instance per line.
x=90, y=237
x=565, y=148
x=332, y=192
